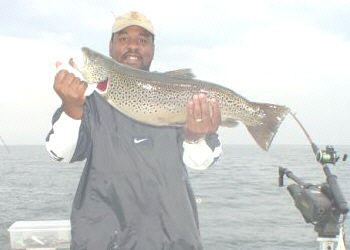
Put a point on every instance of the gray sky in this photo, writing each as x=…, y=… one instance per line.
x=294, y=53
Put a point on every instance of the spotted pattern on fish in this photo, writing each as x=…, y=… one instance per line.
x=159, y=99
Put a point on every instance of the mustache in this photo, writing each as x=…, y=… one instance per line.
x=131, y=53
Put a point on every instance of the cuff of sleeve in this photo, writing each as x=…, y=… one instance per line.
x=197, y=156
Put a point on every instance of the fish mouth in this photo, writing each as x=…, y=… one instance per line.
x=102, y=86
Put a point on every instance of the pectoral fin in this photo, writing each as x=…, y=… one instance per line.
x=230, y=123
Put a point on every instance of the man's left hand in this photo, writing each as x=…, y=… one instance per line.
x=203, y=118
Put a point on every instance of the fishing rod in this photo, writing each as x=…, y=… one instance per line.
x=322, y=205
x=3, y=142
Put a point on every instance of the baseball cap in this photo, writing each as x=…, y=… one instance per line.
x=132, y=18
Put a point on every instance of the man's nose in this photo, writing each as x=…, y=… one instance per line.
x=133, y=44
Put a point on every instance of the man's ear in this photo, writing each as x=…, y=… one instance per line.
x=110, y=47
x=153, y=45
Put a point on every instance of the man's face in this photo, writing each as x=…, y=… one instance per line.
x=133, y=46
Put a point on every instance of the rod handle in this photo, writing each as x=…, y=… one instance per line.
x=339, y=199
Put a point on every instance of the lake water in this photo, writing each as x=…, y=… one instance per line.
x=239, y=201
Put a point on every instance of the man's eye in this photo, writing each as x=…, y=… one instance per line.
x=123, y=39
x=143, y=40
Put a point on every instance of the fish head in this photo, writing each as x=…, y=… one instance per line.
x=94, y=67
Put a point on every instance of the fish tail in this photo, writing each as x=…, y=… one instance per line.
x=264, y=132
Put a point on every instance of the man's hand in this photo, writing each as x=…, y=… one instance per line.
x=203, y=118
x=71, y=90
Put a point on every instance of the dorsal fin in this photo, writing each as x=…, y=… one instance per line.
x=183, y=73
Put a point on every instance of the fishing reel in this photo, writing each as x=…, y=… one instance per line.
x=315, y=203
x=328, y=156
x=322, y=205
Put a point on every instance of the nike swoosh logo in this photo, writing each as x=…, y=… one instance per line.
x=136, y=141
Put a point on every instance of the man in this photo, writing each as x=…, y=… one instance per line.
x=134, y=191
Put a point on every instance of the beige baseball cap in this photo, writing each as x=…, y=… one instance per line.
x=132, y=18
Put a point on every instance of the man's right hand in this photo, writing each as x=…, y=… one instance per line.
x=72, y=92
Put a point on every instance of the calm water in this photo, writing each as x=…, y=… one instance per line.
x=240, y=204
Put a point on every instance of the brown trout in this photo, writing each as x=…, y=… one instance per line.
x=160, y=99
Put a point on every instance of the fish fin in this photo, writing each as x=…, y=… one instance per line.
x=183, y=73
x=264, y=132
x=230, y=123
x=58, y=64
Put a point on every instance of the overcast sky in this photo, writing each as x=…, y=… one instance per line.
x=294, y=53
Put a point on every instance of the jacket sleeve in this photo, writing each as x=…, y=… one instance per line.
x=63, y=136
x=203, y=154
x=62, y=140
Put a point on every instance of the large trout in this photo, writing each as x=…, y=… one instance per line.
x=160, y=99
